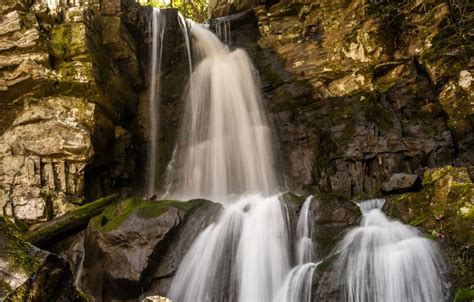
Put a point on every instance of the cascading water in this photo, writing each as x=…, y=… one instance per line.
x=225, y=148
x=387, y=261
x=226, y=155
x=157, y=30
x=244, y=256
x=298, y=283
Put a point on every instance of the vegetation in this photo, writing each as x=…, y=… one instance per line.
x=196, y=10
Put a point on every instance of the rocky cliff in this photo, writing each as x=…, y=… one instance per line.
x=359, y=90
x=69, y=91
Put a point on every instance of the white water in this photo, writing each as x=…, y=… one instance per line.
x=298, y=282
x=226, y=155
x=157, y=30
x=245, y=256
x=388, y=261
x=225, y=148
x=304, y=242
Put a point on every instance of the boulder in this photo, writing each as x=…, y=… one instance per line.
x=30, y=274
x=131, y=238
x=401, y=183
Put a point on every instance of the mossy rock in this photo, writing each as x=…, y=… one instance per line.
x=464, y=295
x=116, y=214
x=444, y=211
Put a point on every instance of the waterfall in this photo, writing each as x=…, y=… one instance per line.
x=387, y=261
x=225, y=154
x=225, y=148
x=157, y=30
x=244, y=256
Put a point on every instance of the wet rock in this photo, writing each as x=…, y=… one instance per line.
x=332, y=216
x=443, y=209
x=401, y=183
x=129, y=238
x=30, y=274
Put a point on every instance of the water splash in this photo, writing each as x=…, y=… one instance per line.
x=245, y=256
x=157, y=30
x=385, y=260
x=225, y=149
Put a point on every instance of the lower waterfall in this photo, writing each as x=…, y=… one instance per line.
x=387, y=261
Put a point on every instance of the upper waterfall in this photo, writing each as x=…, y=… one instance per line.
x=225, y=148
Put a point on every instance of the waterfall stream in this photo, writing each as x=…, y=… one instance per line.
x=157, y=30
x=225, y=147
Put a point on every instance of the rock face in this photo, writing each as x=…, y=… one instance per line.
x=220, y=8
x=133, y=239
x=30, y=274
x=358, y=91
x=445, y=211
x=67, y=92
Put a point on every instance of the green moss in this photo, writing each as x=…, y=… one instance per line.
x=465, y=294
x=16, y=250
x=4, y=287
x=115, y=215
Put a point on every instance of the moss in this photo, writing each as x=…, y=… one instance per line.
x=4, y=287
x=16, y=250
x=464, y=295
x=115, y=215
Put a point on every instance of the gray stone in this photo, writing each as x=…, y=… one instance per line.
x=400, y=183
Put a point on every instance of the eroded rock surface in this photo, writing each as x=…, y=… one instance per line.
x=67, y=91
